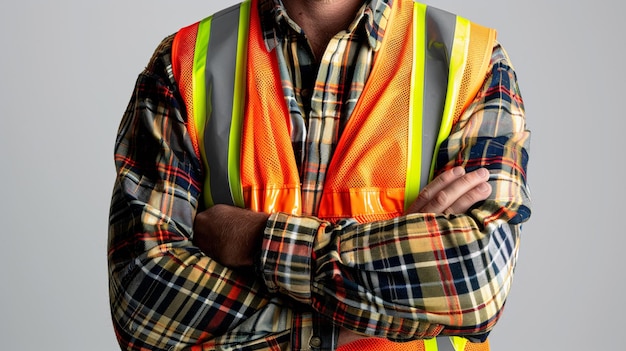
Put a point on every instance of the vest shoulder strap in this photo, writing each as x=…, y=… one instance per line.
x=212, y=53
x=450, y=59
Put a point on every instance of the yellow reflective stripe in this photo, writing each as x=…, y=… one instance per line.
x=458, y=342
x=414, y=152
x=234, y=154
x=199, y=95
x=430, y=344
x=458, y=58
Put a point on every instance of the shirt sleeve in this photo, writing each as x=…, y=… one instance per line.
x=420, y=275
x=164, y=292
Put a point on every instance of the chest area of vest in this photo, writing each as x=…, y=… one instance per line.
x=366, y=176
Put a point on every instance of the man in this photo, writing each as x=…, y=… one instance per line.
x=320, y=198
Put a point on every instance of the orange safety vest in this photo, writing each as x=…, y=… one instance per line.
x=429, y=68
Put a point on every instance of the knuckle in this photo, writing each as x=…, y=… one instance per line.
x=440, y=199
x=425, y=194
x=447, y=175
x=468, y=179
x=470, y=196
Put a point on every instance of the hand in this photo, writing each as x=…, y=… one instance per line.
x=230, y=235
x=453, y=191
x=347, y=336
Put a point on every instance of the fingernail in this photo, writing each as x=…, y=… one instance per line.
x=458, y=171
x=483, y=172
x=484, y=187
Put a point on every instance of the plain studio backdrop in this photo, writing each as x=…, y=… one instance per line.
x=67, y=69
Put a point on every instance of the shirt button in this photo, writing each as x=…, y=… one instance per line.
x=315, y=342
x=305, y=93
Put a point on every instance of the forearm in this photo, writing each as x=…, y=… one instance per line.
x=421, y=274
x=388, y=274
x=165, y=292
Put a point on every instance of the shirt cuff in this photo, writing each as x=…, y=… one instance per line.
x=286, y=255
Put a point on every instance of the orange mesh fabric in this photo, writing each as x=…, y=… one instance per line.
x=470, y=346
x=269, y=173
x=386, y=345
x=382, y=345
x=183, y=49
x=482, y=40
x=376, y=134
x=360, y=183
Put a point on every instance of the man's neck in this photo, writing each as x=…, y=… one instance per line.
x=322, y=19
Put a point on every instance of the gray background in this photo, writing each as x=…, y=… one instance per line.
x=67, y=69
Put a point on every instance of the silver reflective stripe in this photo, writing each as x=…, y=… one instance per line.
x=220, y=84
x=220, y=81
x=444, y=343
x=439, y=37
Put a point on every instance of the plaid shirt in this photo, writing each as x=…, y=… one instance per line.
x=414, y=276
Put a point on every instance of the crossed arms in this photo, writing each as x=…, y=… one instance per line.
x=417, y=274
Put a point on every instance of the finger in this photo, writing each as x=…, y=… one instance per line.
x=455, y=190
x=467, y=200
x=429, y=192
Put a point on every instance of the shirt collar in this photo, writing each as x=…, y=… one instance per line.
x=373, y=16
